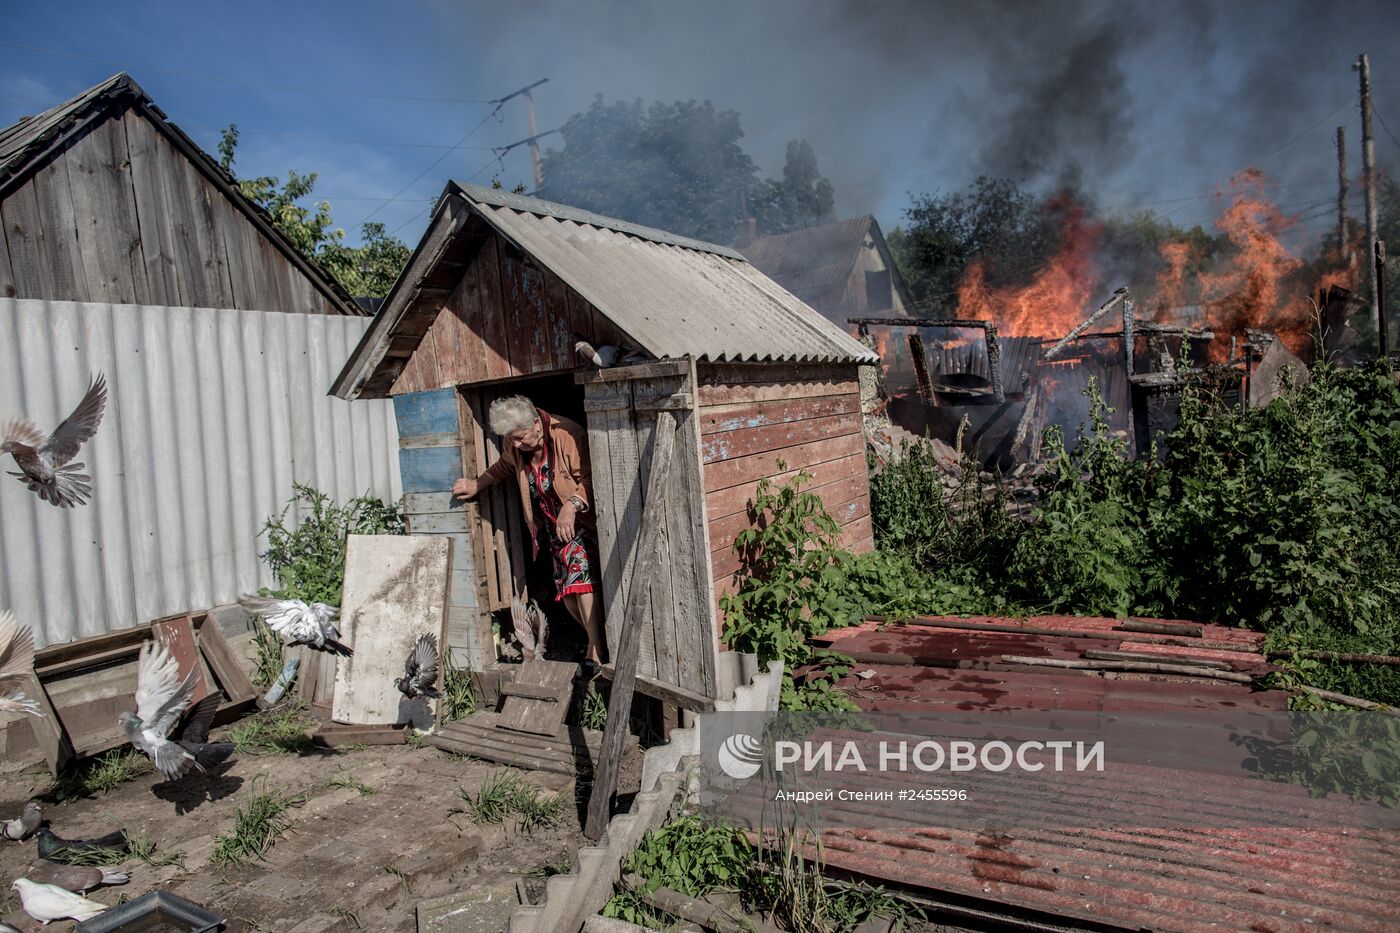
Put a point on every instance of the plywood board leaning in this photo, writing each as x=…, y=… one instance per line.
x=396, y=588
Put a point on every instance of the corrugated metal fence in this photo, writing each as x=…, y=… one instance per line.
x=212, y=414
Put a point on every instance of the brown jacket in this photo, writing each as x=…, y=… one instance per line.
x=570, y=473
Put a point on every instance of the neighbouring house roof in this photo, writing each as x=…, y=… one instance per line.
x=1218, y=875
x=670, y=295
x=815, y=263
x=27, y=145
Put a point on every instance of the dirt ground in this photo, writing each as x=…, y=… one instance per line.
x=350, y=862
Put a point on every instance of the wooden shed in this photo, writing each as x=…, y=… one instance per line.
x=103, y=199
x=755, y=382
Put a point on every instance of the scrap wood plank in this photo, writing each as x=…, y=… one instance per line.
x=552, y=683
x=629, y=639
x=480, y=736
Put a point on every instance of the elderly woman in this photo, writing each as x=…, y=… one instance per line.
x=548, y=456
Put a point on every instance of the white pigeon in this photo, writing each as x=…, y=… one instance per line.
x=46, y=463
x=161, y=698
x=16, y=662
x=49, y=902
x=299, y=623
x=22, y=826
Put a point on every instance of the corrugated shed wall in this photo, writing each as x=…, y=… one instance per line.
x=211, y=416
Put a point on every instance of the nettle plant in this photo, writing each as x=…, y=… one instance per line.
x=308, y=557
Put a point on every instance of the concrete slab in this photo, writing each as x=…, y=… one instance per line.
x=396, y=588
x=483, y=911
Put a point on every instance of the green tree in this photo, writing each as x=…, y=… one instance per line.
x=368, y=270
x=679, y=167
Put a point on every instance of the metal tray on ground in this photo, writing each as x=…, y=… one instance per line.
x=154, y=912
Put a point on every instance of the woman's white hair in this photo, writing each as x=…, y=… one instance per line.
x=512, y=413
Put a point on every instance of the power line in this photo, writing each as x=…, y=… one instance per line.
x=265, y=85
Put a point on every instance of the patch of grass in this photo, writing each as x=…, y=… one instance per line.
x=260, y=821
x=143, y=847
x=459, y=698
x=103, y=858
x=282, y=731
x=503, y=795
x=399, y=874
x=345, y=915
x=594, y=714
x=345, y=779
x=99, y=775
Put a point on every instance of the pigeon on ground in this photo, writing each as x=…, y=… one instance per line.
x=79, y=879
x=161, y=698
x=48, y=902
x=606, y=357
x=16, y=662
x=420, y=670
x=23, y=826
x=530, y=627
x=46, y=464
x=301, y=624
x=69, y=851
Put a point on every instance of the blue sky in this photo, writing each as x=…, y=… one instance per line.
x=1143, y=106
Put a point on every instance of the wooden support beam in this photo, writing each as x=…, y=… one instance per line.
x=629, y=639
x=666, y=693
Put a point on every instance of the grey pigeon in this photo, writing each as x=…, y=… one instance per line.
x=300, y=623
x=420, y=670
x=606, y=356
x=76, y=878
x=16, y=662
x=531, y=628
x=161, y=698
x=23, y=826
x=48, y=902
x=46, y=464
x=69, y=851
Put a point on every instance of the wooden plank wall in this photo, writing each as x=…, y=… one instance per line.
x=122, y=216
x=507, y=317
x=678, y=643
x=751, y=416
x=431, y=451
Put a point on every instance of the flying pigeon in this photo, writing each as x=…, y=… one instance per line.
x=69, y=851
x=23, y=826
x=16, y=661
x=79, y=879
x=49, y=902
x=530, y=627
x=301, y=624
x=606, y=357
x=420, y=670
x=161, y=698
x=46, y=464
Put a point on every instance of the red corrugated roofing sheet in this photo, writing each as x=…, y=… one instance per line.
x=1223, y=877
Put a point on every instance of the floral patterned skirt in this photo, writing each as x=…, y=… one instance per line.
x=574, y=560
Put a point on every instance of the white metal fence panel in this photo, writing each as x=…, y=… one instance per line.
x=212, y=414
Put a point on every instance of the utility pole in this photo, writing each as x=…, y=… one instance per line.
x=1343, y=241
x=534, y=138
x=1368, y=178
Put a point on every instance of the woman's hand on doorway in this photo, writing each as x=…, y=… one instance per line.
x=465, y=488
x=564, y=525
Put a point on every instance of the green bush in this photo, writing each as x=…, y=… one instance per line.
x=308, y=556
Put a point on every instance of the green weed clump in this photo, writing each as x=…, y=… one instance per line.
x=459, y=699
x=284, y=731
x=503, y=795
x=306, y=541
x=259, y=823
x=99, y=775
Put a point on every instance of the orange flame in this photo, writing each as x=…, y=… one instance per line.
x=1055, y=300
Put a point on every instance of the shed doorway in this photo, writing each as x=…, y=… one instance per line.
x=501, y=539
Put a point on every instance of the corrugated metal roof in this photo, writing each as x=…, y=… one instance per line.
x=1222, y=873
x=675, y=297
x=212, y=415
